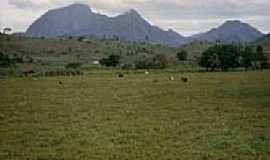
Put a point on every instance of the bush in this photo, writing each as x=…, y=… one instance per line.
x=158, y=61
x=73, y=65
x=182, y=56
x=111, y=61
x=80, y=39
x=5, y=60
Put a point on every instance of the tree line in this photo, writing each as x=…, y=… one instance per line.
x=219, y=57
x=225, y=57
x=9, y=60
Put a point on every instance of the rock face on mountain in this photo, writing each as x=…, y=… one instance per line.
x=79, y=20
x=231, y=31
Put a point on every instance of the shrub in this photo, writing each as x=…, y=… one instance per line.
x=111, y=61
x=73, y=65
x=5, y=60
x=182, y=56
x=158, y=61
x=80, y=39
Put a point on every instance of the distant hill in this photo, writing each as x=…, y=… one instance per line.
x=263, y=40
x=58, y=51
x=229, y=32
x=196, y=48
x=79, y=20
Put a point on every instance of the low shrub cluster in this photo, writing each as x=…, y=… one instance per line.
x=158, y=61
x=62, y=73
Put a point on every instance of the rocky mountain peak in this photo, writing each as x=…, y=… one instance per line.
x=78, y=6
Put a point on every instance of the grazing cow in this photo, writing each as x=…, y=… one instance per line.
x=60, y=83
x=184, y=79
x=146, y=72
x=120, y=75
x=172, y=78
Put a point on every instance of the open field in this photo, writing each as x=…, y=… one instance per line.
x=99, y=116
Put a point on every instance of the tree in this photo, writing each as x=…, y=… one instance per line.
x=182, y=56
x=228, y=56
x=220, y=56
x=209, y=59
x=5, y=60
x=260, y=59
x=143, y=63
x=254, y=59
x=264, y=63
x=7, y=30
x=158, y=61
x=247, y=56
x=111, y=61
x=81, y=38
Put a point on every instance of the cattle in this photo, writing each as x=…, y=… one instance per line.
x=184, y=79
x=60, y=83
x=120, y=76
x=172, y=78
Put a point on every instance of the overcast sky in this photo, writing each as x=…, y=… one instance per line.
x=184, y=16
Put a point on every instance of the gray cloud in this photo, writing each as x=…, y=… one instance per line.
x=185, y=16
x=21, y=3
x=29, y=4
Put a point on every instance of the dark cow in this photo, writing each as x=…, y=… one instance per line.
x=120, y=75
x=184, y=79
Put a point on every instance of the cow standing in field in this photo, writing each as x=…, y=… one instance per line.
x=184, y=79
x=120, y=75
x=60, y=83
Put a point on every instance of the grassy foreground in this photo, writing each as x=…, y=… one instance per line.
x=99, y=116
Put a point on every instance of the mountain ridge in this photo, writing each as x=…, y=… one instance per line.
x=79, y=20
x=232, y=31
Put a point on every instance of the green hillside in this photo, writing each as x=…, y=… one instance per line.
x=84, y=50
x=196, y=48
x=55, y=54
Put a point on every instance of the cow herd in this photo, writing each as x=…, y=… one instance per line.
x=171, y=78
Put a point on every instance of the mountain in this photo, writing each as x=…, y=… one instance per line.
x=79, y=20
x=230, y=31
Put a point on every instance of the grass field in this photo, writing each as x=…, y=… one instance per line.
x=219, y=116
